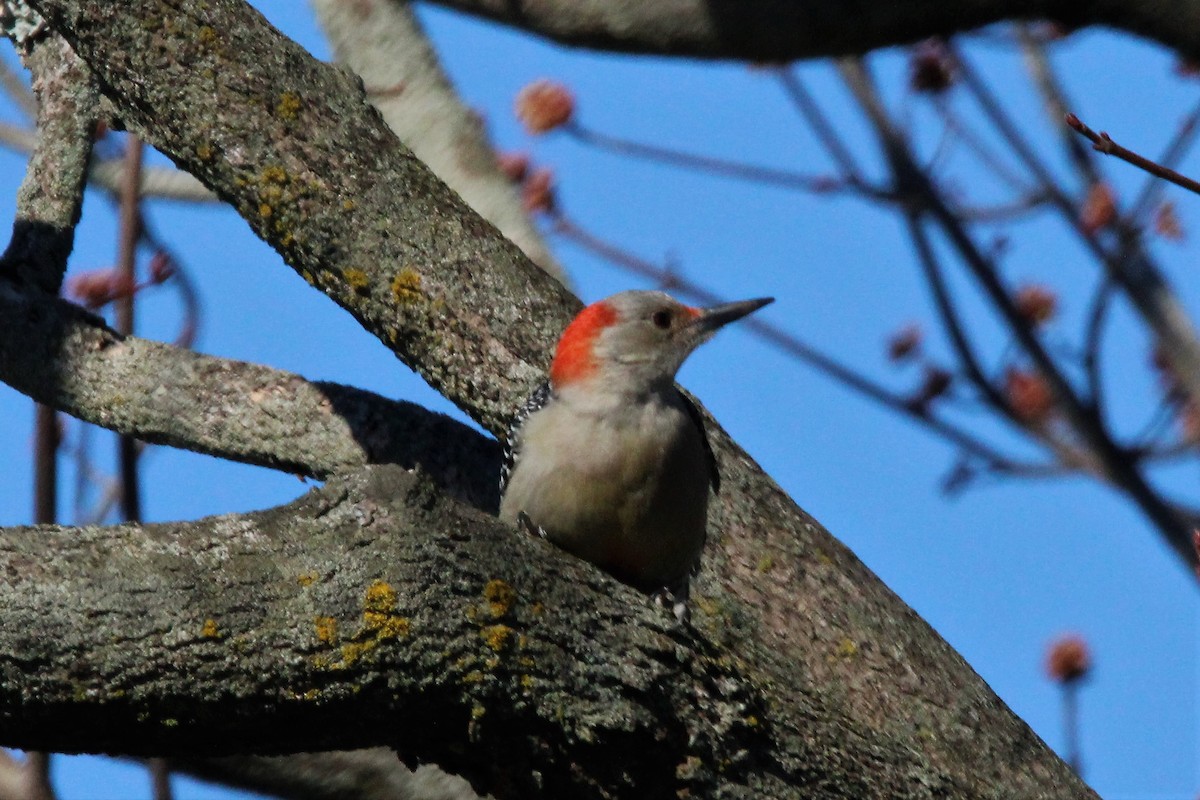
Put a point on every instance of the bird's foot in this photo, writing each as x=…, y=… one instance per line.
x=532, y=529
x=674, y=597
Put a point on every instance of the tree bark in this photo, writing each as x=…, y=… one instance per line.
x=805, y=677
x=788, y=30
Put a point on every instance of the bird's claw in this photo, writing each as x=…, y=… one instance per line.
x=532, y=529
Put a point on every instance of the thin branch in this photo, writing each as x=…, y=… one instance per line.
x=128, y=237
x=1096, y=318
x=1054, y=97
x=769, y=176
x=812, y=113
x=239, y=411
x=1002, y=212
x=1104, y=144
x=981, y=150
x=1115, y=463
x=951, y=322
x=383, y=42
x=1184, y=136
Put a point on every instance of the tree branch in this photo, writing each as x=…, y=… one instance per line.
x=289, y=142
x=374, y=774
x=530, y=672
x=382, y=41
x=62, y=356
x=775, y=30
x=51, y=194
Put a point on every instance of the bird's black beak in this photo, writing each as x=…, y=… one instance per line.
x=710, y=320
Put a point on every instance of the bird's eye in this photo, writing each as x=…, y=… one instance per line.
x=661, y=318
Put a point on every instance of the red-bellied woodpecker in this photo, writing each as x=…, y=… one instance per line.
x=609, y=460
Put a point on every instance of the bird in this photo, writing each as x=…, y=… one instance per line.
x=608, y=459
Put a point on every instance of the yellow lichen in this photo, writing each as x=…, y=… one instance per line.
x=766, y=564
x=497, y=637
x=347, y=205
x=380, y=622
x=209, y=629
x=206, y=34
x=379, y=612
x=273, y=174
x=847, y=648
x=752, y=721
x=477, y=712
x=307, y=579
x=527, y=682
x=204, y=151
x=326, y=628
x=264, y=209
x=406, y=286
x=500, y=597
x=288, y=107
x=357, y=278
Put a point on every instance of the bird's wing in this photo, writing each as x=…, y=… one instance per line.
x=698, y=418
x=512, y=440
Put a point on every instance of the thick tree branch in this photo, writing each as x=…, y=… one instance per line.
x=382, y=41
x=324, y=624
x=374, y=774
x=314, y=170
x=62, y=356
x=786, y=30
x=292, y=145
x=51, y=195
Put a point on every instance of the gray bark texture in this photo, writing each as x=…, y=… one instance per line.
x=382, y=41
x=789, y=30
x=378, y=612
x=51, y=195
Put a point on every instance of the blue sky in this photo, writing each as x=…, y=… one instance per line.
x=999, y=571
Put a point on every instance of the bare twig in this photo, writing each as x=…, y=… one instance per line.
x=1184, y=136
x=1112, y=461
x=980, y=149
x=1055, y=98
x=1104, y=144
x=129, y=236
x=807, y=105
x=818, y=184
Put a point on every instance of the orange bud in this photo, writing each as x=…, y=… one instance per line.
x=1166, y=222
x=1029, y=395
x=1036, y=303
x=1099, y=209
x=537, y=193
x=99, y=287
x=513, y=165
x=1189, y=421
x=1069, y=659
x=544, y=105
